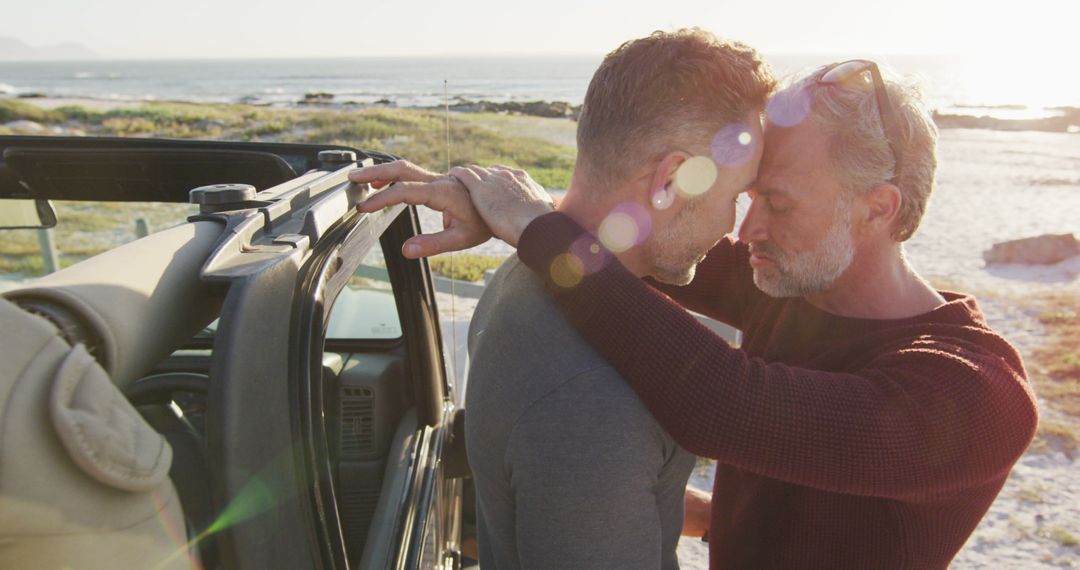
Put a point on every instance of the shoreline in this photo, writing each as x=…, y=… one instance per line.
x=1066, y=119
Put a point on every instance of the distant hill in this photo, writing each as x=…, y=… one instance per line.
x=12, y=49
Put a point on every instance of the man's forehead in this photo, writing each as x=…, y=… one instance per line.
x=792, y=151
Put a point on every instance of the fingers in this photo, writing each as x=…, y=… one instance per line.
x=510, y=169
x=398, y=170
x=516, y=172
x=401, y=193
x=468, y=175
x=438, y=195
x=426, y=245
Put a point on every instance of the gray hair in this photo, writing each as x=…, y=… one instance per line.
x=858, y=146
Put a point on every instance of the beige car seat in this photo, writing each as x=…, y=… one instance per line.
x=83, y=478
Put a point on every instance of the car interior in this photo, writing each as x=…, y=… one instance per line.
x=132, y=347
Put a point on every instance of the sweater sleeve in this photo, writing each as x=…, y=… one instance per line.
x=916, y=422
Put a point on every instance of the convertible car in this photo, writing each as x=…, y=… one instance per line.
x=261, y=385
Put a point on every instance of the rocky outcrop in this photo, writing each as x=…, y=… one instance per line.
x=319, y=98
x=1068, y=121
x=1041, y=250
x=553, y=109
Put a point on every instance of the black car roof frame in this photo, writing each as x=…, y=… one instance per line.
x=145, y=170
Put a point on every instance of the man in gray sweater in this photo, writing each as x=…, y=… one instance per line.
x=571, y=471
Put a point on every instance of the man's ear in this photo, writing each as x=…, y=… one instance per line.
x=880, y=208
x=663, y=191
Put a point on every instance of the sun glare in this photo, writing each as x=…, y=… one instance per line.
x=696, y=176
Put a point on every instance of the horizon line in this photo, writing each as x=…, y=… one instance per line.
x=526, y=55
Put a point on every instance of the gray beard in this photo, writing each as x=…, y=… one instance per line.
x=811, y=272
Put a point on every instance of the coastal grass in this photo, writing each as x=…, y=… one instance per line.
x=416, y=134
x=1054, y=369
x=1056, y=360
x=88, y=228
x=15, y=110
x=1062, y=537
x=83, y=230
x=464, y=267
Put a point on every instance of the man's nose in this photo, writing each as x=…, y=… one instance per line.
x=753, y=225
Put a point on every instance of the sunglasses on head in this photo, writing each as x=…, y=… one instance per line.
x=848, y=73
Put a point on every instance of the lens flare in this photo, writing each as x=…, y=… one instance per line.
x=588, y=252
x=627, y=225
x=618, y=232
x=253, y=499
x=733, y=145
x=695, y=176
x=788, y=108
x=567, y=270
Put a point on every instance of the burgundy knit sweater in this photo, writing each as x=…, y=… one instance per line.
x=840, y=442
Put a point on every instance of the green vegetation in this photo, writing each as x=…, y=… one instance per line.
x=1062, y=537
x=464, y=267
x=419, y=135
x=13, y=110
x=86, y=229
x=1054, y=369
x=1056, y=361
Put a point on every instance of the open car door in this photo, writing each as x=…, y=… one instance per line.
x=338, y=434
x=327, y=439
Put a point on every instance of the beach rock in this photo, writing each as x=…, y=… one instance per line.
x=545, y=109
x=32, y=95
x=1067, y=121
x=1041, y=250
x=24, y=126
x=319, y=98
x=551, y=109
x=470, y=107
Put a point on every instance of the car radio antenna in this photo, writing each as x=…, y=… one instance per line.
x=453, y=277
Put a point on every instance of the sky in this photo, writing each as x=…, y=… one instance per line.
x=196, y=29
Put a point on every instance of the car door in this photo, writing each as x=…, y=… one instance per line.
x=327, y=447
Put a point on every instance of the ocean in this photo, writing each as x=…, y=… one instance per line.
x=950, y=85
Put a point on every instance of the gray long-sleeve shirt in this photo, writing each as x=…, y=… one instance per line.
x=571, y=471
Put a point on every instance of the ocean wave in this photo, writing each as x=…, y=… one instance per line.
x=6, y=89
x=82, y=75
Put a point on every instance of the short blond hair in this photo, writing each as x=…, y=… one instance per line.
x=666, y=91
